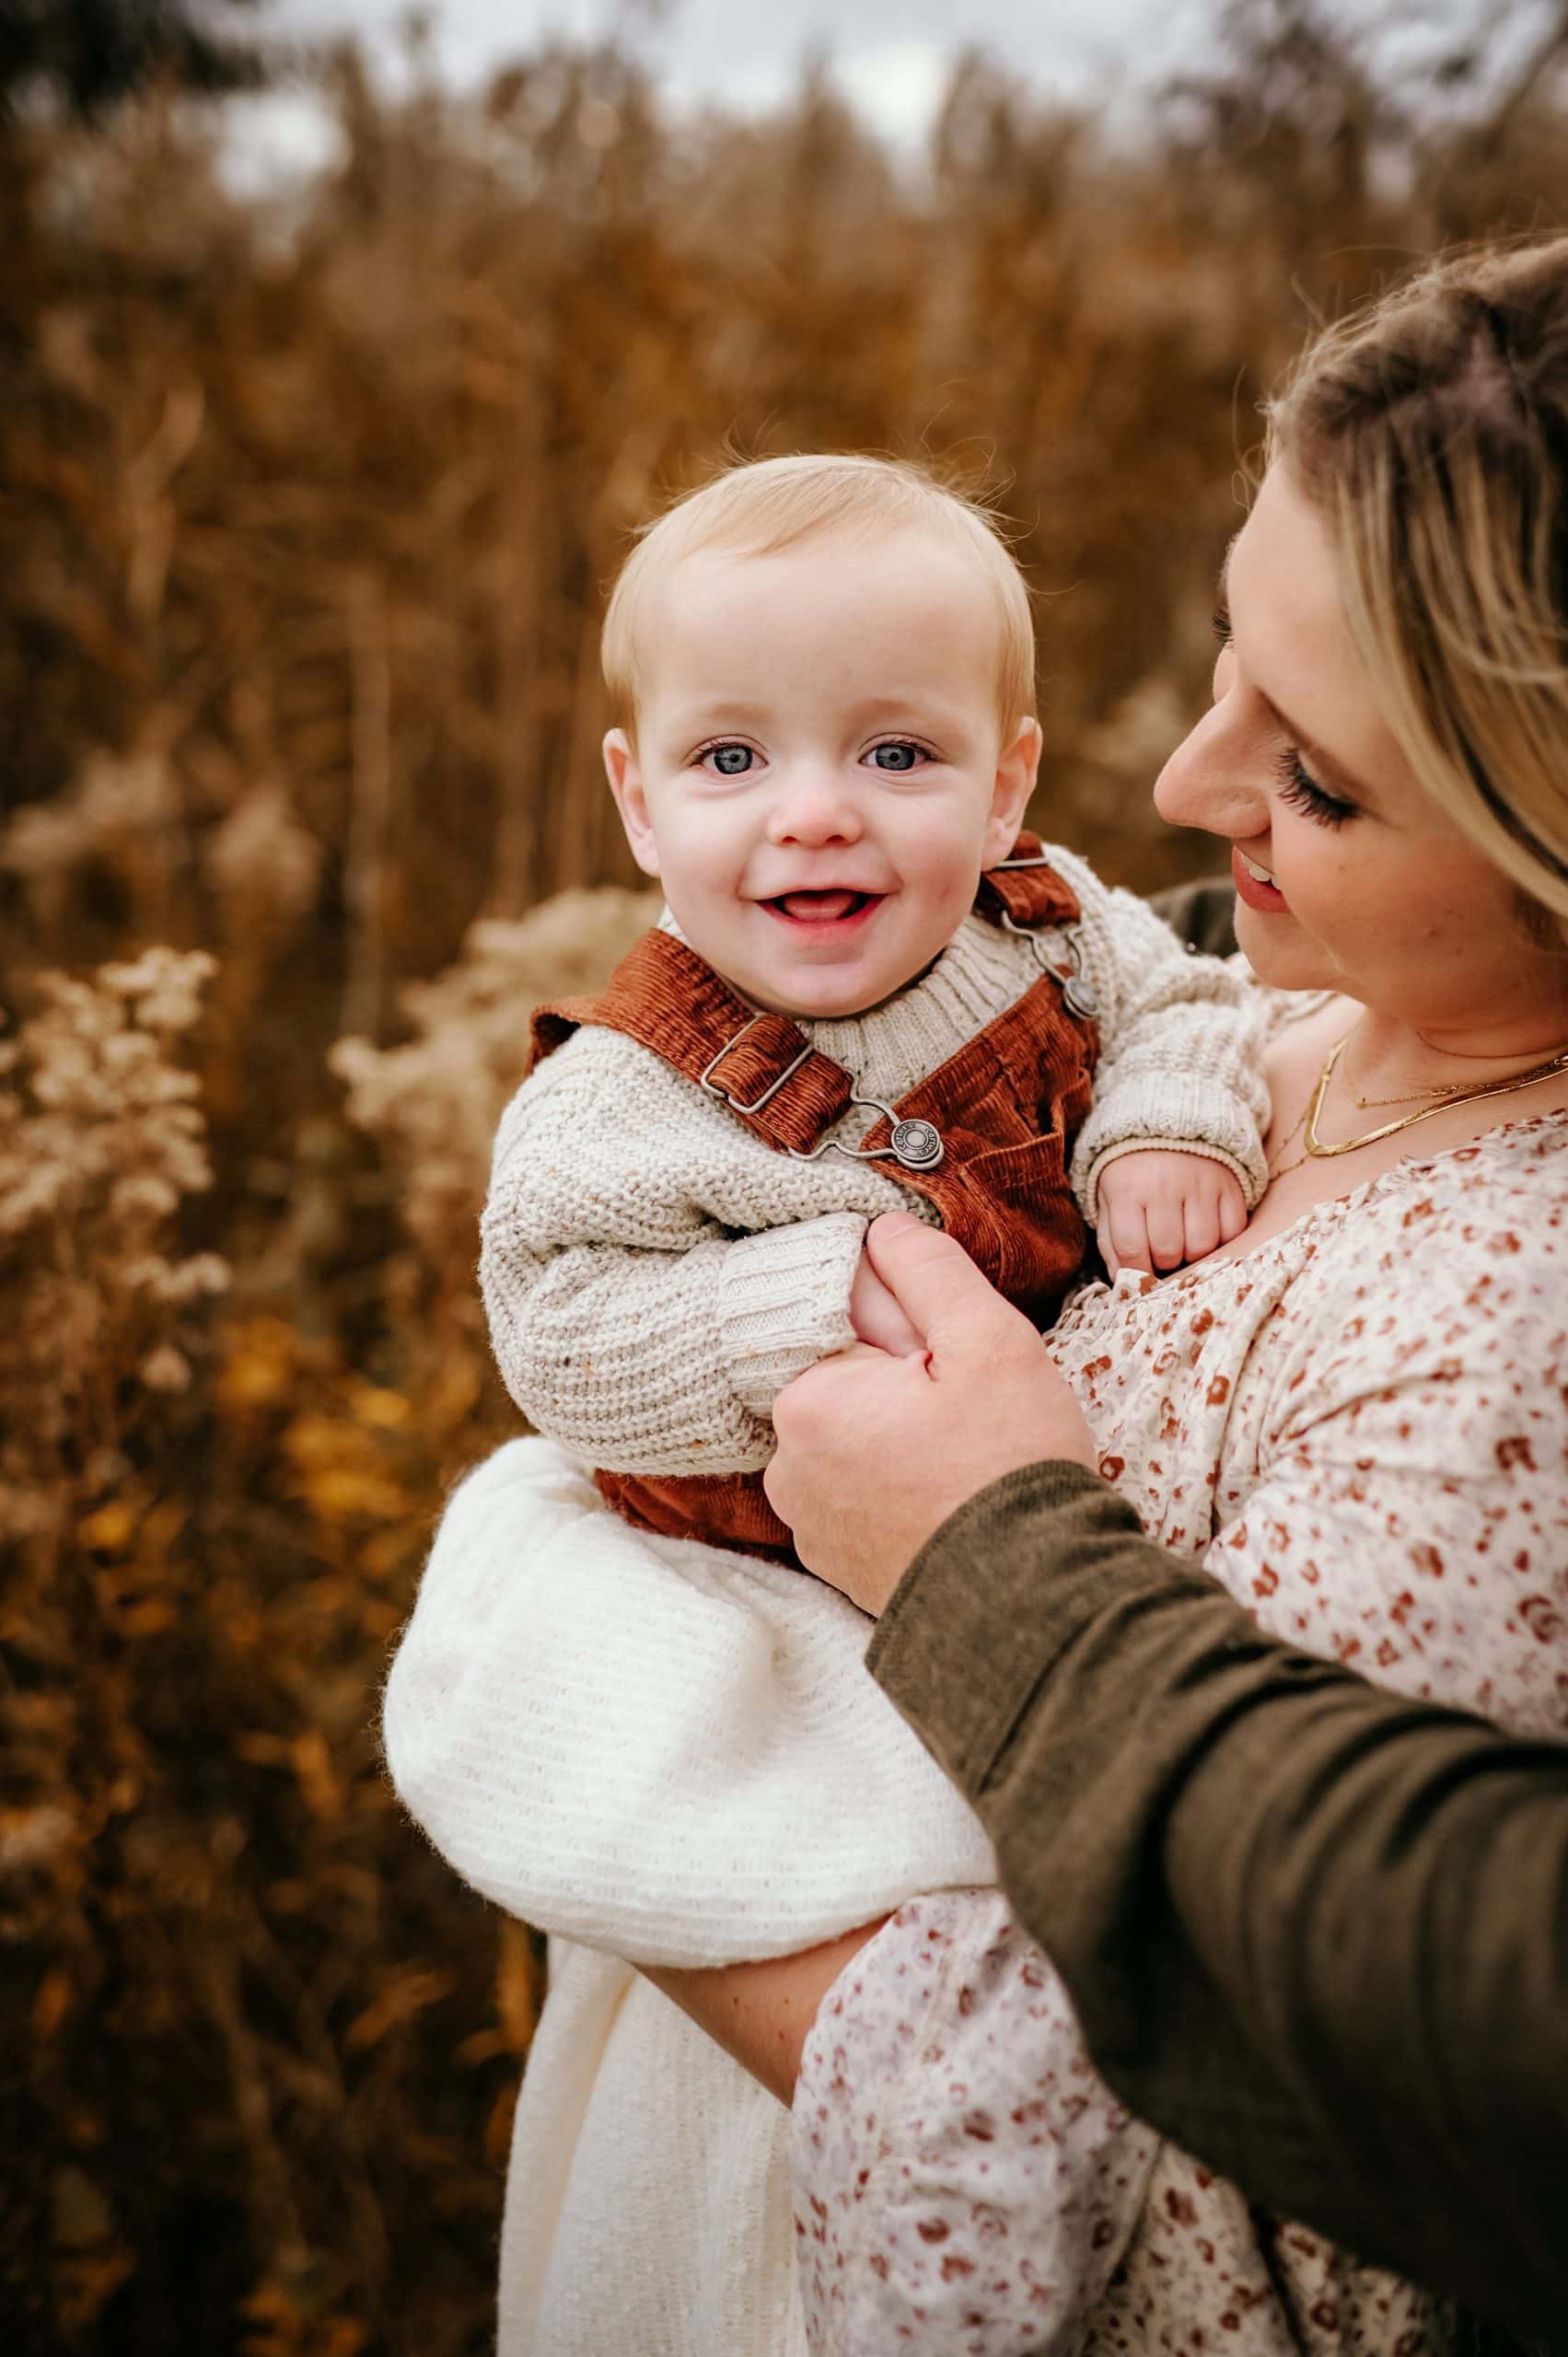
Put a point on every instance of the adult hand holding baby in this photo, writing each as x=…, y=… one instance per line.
x=978, y=1398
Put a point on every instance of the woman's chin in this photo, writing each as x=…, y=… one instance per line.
x=1281, y=954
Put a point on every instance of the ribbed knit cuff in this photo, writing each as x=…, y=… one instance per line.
x=1171, y=1115
x=1086, y=1184
x=784, y=1303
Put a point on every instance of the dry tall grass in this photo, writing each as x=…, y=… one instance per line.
x=308, y=521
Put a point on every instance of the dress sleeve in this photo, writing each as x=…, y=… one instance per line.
x=627, y=1323
x=1392, y=1493
x=1181, y=1040
x=964, y=2179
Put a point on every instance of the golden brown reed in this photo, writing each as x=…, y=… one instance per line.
x=308, y=513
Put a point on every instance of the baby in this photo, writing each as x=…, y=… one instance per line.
x=652, y=1737
x=823, y=673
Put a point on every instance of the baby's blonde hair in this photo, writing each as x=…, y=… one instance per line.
x=769, y=504
x=1430, y=432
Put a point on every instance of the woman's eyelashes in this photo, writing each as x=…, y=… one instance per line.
x=1304, y=793
x=1297, y=786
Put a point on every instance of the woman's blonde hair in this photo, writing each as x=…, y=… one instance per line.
x=1431, y=433
x=769, y=504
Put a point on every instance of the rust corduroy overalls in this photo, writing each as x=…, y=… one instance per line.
x=985, y=1137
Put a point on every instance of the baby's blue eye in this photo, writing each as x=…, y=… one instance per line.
x=895, y=756
x=731, y=760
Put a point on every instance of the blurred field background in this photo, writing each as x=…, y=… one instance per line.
x=309, y=502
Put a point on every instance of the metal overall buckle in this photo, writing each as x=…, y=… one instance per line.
x=1079, y=995
x=706, y=1078
x=915, y=1144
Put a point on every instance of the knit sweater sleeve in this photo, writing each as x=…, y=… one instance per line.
x=1180, y=1043
x=631, y=1322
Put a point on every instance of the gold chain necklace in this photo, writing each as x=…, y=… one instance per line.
x=1277, y=1170
x=1317, y=1151
x=1444, y=1089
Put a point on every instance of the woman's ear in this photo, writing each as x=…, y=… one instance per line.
x=630, y=798
x=1016, y=773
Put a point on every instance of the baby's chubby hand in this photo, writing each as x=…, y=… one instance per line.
x=877, y=1315
x=1155, y=1209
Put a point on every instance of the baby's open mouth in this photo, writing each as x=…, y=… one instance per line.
x=830, y=907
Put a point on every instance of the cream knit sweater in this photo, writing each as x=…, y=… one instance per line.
x=657, y=1749
x=655, y=1272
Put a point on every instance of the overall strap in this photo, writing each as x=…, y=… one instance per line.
x=669, y=1000
x=1025, y=889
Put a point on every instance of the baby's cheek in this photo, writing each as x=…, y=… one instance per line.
x=947, y=894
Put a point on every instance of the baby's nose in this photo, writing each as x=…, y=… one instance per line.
x=814, y=806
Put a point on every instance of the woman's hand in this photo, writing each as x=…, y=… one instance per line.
x=876, y=1452
x=878, y=1315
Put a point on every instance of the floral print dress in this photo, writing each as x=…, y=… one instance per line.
x=1361, y=1428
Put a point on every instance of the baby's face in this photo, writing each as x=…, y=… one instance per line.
x=819, y=772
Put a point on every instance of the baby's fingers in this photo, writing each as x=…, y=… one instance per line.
x=1167, y=1229
x=1200, y=1224
x=1124, y=1238
x=1233, y=1208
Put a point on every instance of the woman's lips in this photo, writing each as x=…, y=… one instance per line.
x=834, y=910
x=1253, y=890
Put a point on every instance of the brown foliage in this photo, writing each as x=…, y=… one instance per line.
x=309, y=514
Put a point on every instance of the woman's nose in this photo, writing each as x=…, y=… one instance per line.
x=1216, y=778
x=812, y=806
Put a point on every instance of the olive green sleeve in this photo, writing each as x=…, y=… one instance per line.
x=1317, y=1934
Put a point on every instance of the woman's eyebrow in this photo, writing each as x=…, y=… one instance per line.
x=1222, y=585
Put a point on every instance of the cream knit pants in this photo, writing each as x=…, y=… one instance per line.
x=658, y=1750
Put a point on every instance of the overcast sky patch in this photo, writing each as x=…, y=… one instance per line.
x=890, y=57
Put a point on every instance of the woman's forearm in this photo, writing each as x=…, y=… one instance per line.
x=762, y=2013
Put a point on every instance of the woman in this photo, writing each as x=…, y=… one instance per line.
x=1340, y=1412
x=1351, y=1415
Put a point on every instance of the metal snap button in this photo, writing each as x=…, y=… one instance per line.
x=917, y=1145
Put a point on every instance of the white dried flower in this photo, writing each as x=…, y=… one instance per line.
x=30, y=1837
x=261, y=858
x=144, y=1195
x=433, y=1103
x=100, y=1143
x=166, y=1369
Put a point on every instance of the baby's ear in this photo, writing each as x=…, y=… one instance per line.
x=1015, y=772
x=630, y=798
